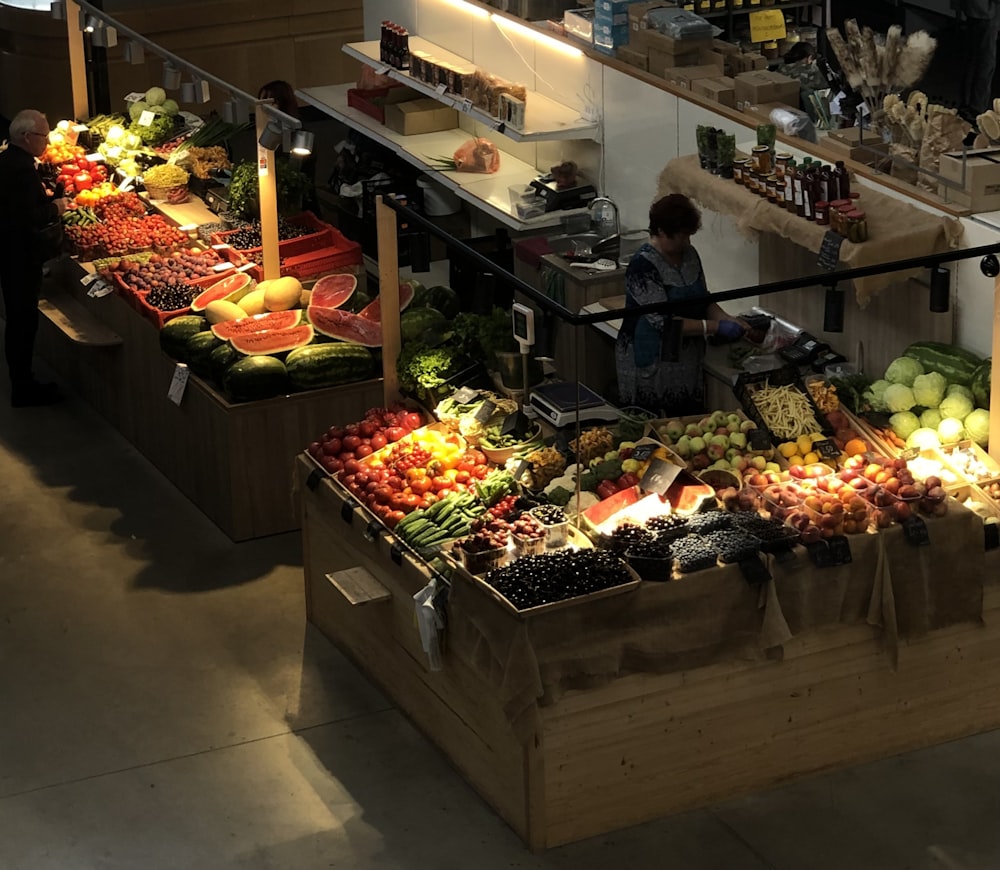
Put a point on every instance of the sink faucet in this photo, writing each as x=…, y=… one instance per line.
x=607, y=225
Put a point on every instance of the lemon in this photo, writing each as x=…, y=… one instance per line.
x=787, y=448
x=810, y=458
x=817, y=436
x=804, y=444
x=796, y=459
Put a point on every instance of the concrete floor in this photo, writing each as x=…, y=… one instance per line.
x=163, y=705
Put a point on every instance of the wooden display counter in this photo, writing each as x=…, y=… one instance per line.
x=655, y=717
x=234, y=461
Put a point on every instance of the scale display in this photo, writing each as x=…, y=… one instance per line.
x=558, y=402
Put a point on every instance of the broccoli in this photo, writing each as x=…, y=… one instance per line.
x=559, y=495
x=608, y=469
x=589, y=481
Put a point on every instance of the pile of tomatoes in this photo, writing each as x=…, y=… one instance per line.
x=61, y=153
x=380, y=426
x=96, y=193
x=117, y=236
x=80, y=174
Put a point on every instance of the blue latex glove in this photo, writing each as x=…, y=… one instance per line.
x=730, y=330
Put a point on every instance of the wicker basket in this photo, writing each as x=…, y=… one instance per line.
x=173, y=195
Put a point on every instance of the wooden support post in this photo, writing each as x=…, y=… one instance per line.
x=77, y=62
x=388, y=279
x=994, y=446
x=268, y=198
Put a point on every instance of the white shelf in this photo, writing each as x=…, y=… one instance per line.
x=488, y=193
x=545, y=119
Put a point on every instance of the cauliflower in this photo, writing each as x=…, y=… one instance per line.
x=977, y=425
x=904, y=423
x=899, y=397
x=950, y=430
x=929, y=389
x=956, y=405
x=903, y=370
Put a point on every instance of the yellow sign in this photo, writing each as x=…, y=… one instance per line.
x=767, y=25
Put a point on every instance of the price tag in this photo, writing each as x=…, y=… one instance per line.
x=909, y=453
x=464, y=395
x=95, y=158
x=768, y=25
x=381, y=69
x=915, y=531
x=441, y=88
x=643, y=452
x=127, y=184
x=485, y=411
x=315, y=476
x=396, y=553
x=347, y=510
x=522, y=467
x=178, y=383
x=819, y=554
x=514, y=424
x=146, y=119
x=245, y=267
x=754, y=570
x=991, y=536
x=372, y=530
x=758, y=439
x=829, y=250
x=89, y=279
x=826, y=447
x=222, y=267
x=221, y=247
x=100, y=288
x=500, y=127
x=659, y=476
x=466, y=105
x=134, y=97
x=840, y=550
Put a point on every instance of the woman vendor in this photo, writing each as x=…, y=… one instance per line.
x=652, y=372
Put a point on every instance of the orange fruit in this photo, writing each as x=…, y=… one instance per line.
x=855, y=446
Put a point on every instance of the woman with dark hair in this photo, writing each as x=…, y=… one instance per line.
x=283, y=95
x=800, y=63
x=659, y=356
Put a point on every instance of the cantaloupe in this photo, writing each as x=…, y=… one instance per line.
x=253, y=302
x=282, y=294
x=220, y=311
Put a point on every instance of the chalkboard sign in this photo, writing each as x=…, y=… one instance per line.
x=347, y=510
x=659, y=476
x=515, y=424
x=758, y=439
x=754, y=570
x=915, y=531
x=826, y=447
x=396, y=553
x=464, y=395
x=991, y=536
x=372, y=530
x=485, y=411
x=315, y=476
x=819, y=554
x=840, y=550
x=829, y=251
x=643, y=451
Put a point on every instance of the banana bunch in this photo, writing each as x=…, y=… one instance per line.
x=81, y=216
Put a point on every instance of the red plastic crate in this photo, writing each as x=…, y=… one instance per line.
x=306, y=219
x=154, y=315
x=368, y=101
x=307, y=256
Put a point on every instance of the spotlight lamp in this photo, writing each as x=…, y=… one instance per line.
x=57, y=9
x=171, y=77
x=940, y=300
x=105, y=36
x=187, y=92
x=271, y=137
x=134, y=53
x=990, y=266
x=302, y=143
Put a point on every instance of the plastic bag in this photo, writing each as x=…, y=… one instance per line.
x=369, y=80
x=680, y=23
x=794, y=122
x=477, y=155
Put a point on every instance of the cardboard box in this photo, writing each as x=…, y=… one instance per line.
x=658, y=62
x=848, y=144
x=638, y=59
x=420, y=116
x=653, y=40
x=579, y=23
x=711, y=57
x=749, y=61
x=723, y=47
x=637, y=13
x=684, y=76
x=610, y=35
x=981, y=190
x=721, y=89
x=761, y=86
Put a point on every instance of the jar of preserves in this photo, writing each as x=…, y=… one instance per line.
x=781, y=160
x=762, y=159
x=837, y=221
x=741, y=168
x=772, y=188
x=822, y=213
x=856, y=226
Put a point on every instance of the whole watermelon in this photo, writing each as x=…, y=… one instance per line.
x=440, y=297
x=255, y=377
x=980, y=385
x=414, y=323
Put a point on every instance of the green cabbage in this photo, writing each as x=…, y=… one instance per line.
x=929, y=389
x=951, y=430
x=899, y=397
x=977, y=425
x=956, y=405
x=960, y=389
x=903, y=370
x=875, y=395
x=931, y=418
x=904, y=423
x=923, y=439
x=155, y=96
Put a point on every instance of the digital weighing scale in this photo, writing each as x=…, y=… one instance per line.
x=557, y=403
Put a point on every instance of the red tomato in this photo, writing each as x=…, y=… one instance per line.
x=352, y=466
x=362, y=477
x=345, y=455
x=335, y=432
x=412, y=420
x=445, y=492
x=393, y=517
x=383, y=495
x=420, y=485
x=394, y=433
x=480, y=473
x=477, y=456
x=351, y=429
x=378, y=441
x=333, y=465
x=398, y=501
x=367, y=428
x=333, y=446
x=412, y=500
x=466, y=465
x=462, y=476
x=395, y=482
x=363, y=451
x=352, y=442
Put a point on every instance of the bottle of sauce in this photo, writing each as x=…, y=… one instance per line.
x=809, y=183
x=825, y=177
x=843, y=181
x=797, y=183
x=791, y=172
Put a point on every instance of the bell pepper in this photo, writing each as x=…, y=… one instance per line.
x=628, y=479
x=606, y=489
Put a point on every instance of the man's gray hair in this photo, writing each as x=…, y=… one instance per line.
x=24, y=122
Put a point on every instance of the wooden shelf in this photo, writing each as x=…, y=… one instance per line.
x=545, y=119
x=488, y=193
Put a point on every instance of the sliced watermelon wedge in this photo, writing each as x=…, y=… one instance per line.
x=272, y=341
x=257, y=323
x=332, y=291
x=373, y=310
x=345, y=326
x=237, y=285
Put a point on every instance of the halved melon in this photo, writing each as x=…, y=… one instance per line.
x=231, y=289
x=271, y=341
x=332, y=291
x=257, y=323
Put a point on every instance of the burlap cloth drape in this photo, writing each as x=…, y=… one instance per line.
x=715, y=616
x=897, y=230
